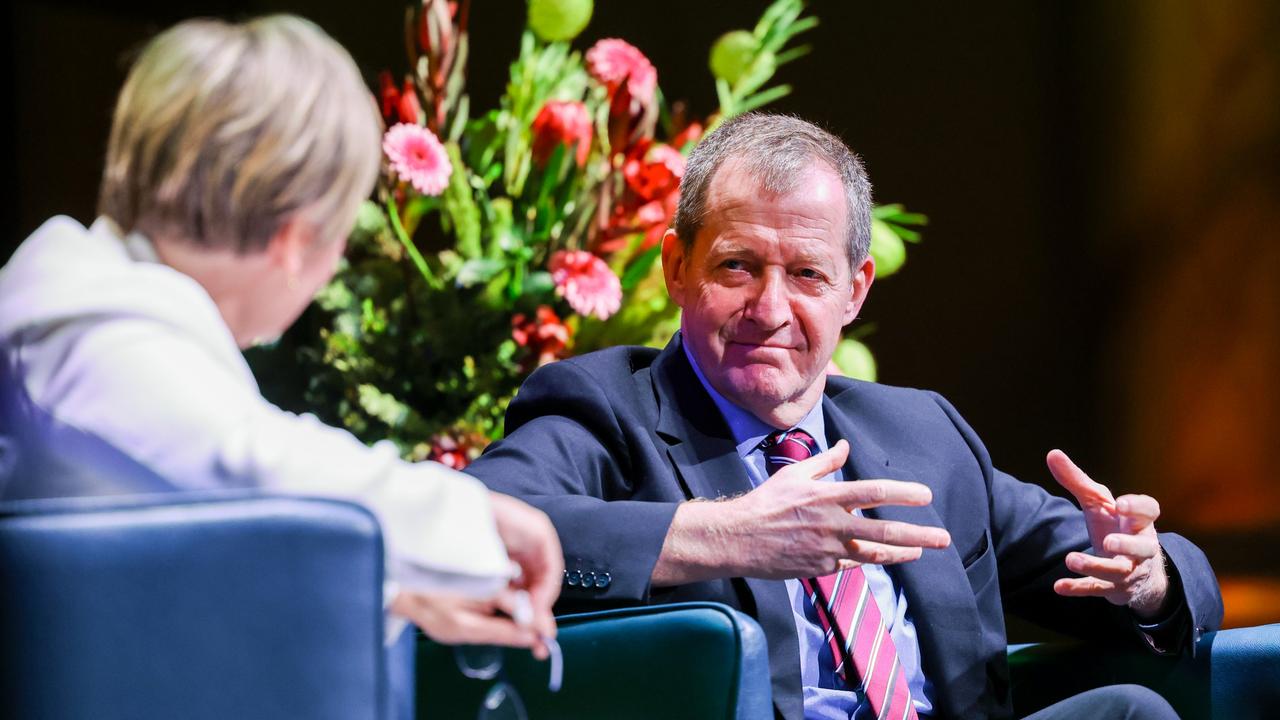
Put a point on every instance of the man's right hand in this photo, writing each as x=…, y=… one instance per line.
x=792, y=526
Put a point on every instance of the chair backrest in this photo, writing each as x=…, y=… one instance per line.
x=228, y=605
x=685, y=660
x=1234, y=675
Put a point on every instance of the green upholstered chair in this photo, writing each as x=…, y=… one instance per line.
x=688, y=660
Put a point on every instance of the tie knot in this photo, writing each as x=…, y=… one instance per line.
x=784, y=447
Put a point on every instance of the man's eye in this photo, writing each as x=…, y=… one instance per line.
x=733, y=265
x=809, y=274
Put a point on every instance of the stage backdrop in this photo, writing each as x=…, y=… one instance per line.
x=1102, y=268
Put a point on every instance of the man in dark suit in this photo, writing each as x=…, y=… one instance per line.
x=712, y=471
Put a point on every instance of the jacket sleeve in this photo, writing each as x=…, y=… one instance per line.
x=152, y=395
x=1032, y=532
x=566, y=453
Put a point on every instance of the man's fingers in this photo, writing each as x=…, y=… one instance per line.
x=1140, y=547
x=874, y=553
x=1114, y=569
x=1083, y=587
x=861, y=494
x=824, y=463
x=1088, y=493
x=892, y=532
x=1139, y=510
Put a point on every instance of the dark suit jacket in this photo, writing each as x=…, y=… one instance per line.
x=609, y=443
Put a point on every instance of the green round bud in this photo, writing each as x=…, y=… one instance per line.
x=732, y=55
x=855, y=360
x=887, y=249
x=559, y=20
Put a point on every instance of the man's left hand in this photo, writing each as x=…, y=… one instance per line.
x=1127, y=567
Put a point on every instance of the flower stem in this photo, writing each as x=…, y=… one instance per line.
x=394, y=212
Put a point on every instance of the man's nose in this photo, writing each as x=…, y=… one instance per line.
x=769, y=308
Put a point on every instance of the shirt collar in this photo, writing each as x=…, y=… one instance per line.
x=747, y=429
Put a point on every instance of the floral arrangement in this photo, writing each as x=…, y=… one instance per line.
x=504, y=240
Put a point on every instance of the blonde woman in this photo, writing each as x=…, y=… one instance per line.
x=238, y=156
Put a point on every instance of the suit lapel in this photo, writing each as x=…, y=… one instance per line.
x=698, y=440
x=940, y=600
x=707, y=465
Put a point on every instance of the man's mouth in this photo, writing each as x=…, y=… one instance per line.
x=748, y=345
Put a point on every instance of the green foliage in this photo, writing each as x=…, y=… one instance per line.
x=742, y=68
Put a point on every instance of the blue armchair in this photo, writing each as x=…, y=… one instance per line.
x=220, y=606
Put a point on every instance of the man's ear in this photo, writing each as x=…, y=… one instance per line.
x=674, y=258
x=863, y=275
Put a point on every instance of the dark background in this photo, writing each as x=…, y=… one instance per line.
x=1100, y=272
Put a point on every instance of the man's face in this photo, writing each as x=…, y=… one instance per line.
x=766, y=288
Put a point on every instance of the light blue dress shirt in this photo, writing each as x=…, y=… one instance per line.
x=825, y=694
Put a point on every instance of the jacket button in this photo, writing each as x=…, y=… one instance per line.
x=588, y=579
x=573, y=578
x=602, y=580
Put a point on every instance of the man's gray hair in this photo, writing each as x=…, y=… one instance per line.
x=777, y=150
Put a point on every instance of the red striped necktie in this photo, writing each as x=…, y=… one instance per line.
x=847, y=610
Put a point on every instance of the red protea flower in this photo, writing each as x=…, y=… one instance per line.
x=389, y=96
x=653, y=171
x=398, y=105
x=691, y=133
x=560, y=122
x=613, y=61
x=544, y=334
x=586, y=283
x=409, y=108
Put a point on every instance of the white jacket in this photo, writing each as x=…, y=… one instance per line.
x=131, y=382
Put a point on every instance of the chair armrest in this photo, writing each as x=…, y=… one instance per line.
x=210, y=606
x=686, y=660
x=1234, y=674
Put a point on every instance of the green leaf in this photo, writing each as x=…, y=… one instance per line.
x=551, y=173
x=764, y=97
x=387, y=408
x=478, y=270
x=539, y=283
x=459, y=124
x=795, y=53
x=640, y=267
x=882, y=212
x=911, y=219
x=460, y=211
x=335, y=297
x=910, y=236
x=393, y=212
x=794, y=29
x=725, y=96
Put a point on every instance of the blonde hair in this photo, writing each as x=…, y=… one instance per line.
x=223, y=132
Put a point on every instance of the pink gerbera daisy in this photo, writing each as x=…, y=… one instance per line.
x=586, y=282
x=417, y=156
x=612, y=60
